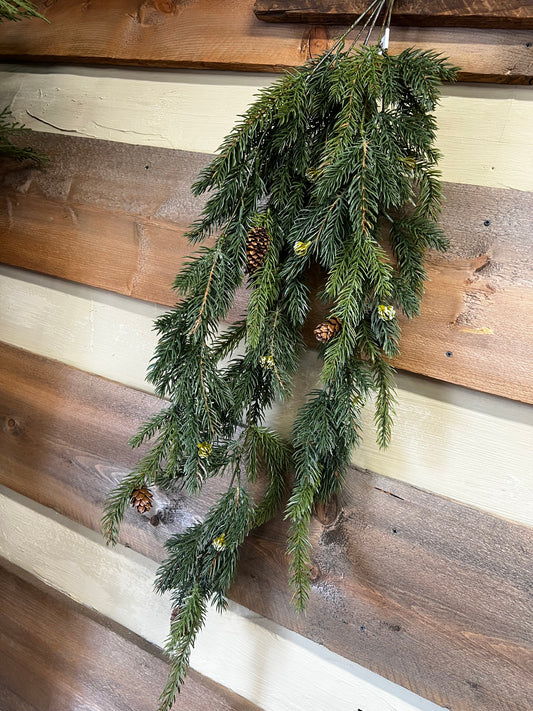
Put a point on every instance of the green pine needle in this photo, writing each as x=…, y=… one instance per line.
x=18, y=10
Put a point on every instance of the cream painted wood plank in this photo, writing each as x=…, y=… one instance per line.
x=97, y=331
x=466, y=445
x=170, y=109
x=485, y=133
x=269, y=665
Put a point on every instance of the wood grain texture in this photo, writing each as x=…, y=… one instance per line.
x=428, y=593
x=104, y=214
x=57, y=655
x=517, y=14
x=113, y=216
x=227, y=35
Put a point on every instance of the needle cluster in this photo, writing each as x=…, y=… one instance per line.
x=336, y=162
x=18, y=10
x=10, y=130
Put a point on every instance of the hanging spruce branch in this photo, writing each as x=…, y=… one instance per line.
x=333, y=166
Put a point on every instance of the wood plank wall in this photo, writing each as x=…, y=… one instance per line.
x=257, y=658
x=44, y=637
x=459, y=633
x=115, y=215
x=441, y=13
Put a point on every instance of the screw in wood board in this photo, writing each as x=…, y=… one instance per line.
x=12, y=426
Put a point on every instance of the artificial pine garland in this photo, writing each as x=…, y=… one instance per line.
x=333, y=167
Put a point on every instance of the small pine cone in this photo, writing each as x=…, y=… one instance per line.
x=175, y=612
x=141, y=499
x=257, y=244
x=325, y=331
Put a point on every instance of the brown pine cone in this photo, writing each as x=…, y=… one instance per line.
x=141, y=499
x=325, y=331
x=257, y=244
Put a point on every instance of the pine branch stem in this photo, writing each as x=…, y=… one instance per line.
x=374, y=20
x=207, y=288
x=204, y=393
x=364, y=210
x=340, y=40
x=363, y=27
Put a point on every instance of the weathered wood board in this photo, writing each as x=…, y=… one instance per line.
x=461, y=444
x=428, y=593
x=503, y=14
x=227, y=35
x=58, y=655
x=272, y=667
x=113, y=216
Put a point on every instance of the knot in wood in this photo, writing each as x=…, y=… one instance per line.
x=327, y=513
x=314, y=573
x=164, y=5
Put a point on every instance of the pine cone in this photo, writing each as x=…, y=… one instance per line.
x=141, y=499
x=325, y=331
x=257, y=244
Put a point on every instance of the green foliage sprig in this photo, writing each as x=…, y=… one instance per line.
x=9, y=129
x=18, y=10
x=336, y=161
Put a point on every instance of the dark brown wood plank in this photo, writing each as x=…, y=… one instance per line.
x=57, y=655
x=426, y=592
x=12, y=702
x=227, y=35
x=502, y=14
x=51, y=426
x=98, y=216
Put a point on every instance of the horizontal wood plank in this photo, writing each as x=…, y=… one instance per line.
x=175, y=110
x=113, y=216
x=426, y=592
x=227, y=35
x=459, y=443
x=57, y=655
x=270, y=666
x=517, y=14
